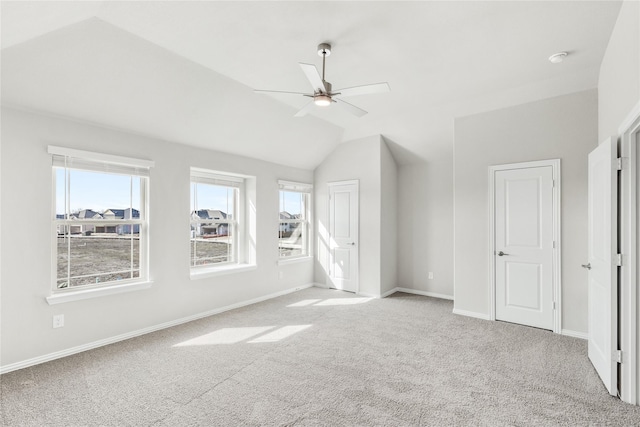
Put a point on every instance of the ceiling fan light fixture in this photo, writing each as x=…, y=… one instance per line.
x=322, y=100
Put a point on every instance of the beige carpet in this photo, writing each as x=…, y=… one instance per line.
x=321, y=357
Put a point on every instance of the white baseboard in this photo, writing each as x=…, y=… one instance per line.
x=95, y=344
x=368, y=295
x=408, y=291
x=471, y=314
x=581, y=335
x=391, y=292
x=424, y=293
x=320, y=285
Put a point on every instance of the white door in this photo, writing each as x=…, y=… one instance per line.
x=523, y=255
x=602, y=276
x=343, y=229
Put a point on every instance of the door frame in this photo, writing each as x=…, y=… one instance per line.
x=628, y=241
x=355, y=182
x=557, y=250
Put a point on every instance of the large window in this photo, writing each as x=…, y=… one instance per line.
x=215, y=212
x=100, y=219
x=293, y=232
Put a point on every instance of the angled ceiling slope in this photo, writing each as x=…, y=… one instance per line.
x=101, y=74
x=441, y=59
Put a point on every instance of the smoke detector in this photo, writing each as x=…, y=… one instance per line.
x=557, y=58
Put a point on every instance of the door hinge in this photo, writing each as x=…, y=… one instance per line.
x=619, y=163
x=554, y=244
x=619, y=356
x=619, y=260
x=554, y=305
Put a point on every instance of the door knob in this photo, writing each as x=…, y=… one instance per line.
x=587, y=266
x=352, y=243
x=502, y=253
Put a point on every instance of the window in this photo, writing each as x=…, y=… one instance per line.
x=99, y=219
x=215, y=218
x=293, y=232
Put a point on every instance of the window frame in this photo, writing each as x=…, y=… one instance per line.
x=236, y=223
x=306, y=222
x=71, y=159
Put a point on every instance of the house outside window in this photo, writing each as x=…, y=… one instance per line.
x=294, y=220
x=100, y=220
x=216, y=219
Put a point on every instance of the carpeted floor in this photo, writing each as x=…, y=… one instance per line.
x=322, y=357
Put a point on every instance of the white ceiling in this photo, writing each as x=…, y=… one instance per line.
x=157, y=68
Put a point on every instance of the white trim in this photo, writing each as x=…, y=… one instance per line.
x=301, y=187
x=363, y=294
x=471, y=314
x=557, y=235
x=628, y=311
x=425, y=293
x=295, y=260
x=95, y=344
x=68, y=296
x=216, y=174
x=575, y=334
x=100, y=157
x=347, y=182
x=389, y=292
x=203, y=273
x=633, y=115
x=321, y=285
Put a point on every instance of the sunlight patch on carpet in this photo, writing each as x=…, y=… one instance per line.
x=280, y=334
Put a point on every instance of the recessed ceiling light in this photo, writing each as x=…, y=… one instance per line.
x=557, y=58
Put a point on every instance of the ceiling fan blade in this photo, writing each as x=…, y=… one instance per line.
x=356, y=111
x=364, y=90
x=305, y=110
x=313, y=76
x=277, y=91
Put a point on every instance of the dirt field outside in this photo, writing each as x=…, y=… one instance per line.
x=99, y=258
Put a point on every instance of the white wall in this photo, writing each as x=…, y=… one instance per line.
x=360, y=160
x=425, y=225
x=388, y=220
x=26, y=226
x=619, y=81
x=564, y=127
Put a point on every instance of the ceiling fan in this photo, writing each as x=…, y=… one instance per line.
x=323, y=94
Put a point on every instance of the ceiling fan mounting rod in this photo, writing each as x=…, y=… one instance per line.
x=324, y=50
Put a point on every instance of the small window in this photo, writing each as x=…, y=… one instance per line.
x=215, y=218
x=294, y=226
x=99, y=220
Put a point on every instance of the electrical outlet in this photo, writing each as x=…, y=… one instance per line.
x=431, y=275
x=58, y=321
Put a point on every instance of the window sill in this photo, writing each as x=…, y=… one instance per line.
x=220, y=271
x=296, y=260
x=62, y=297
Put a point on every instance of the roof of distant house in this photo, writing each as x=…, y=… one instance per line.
x=211, y=214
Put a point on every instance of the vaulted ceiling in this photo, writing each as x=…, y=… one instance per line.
x=184, y=70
